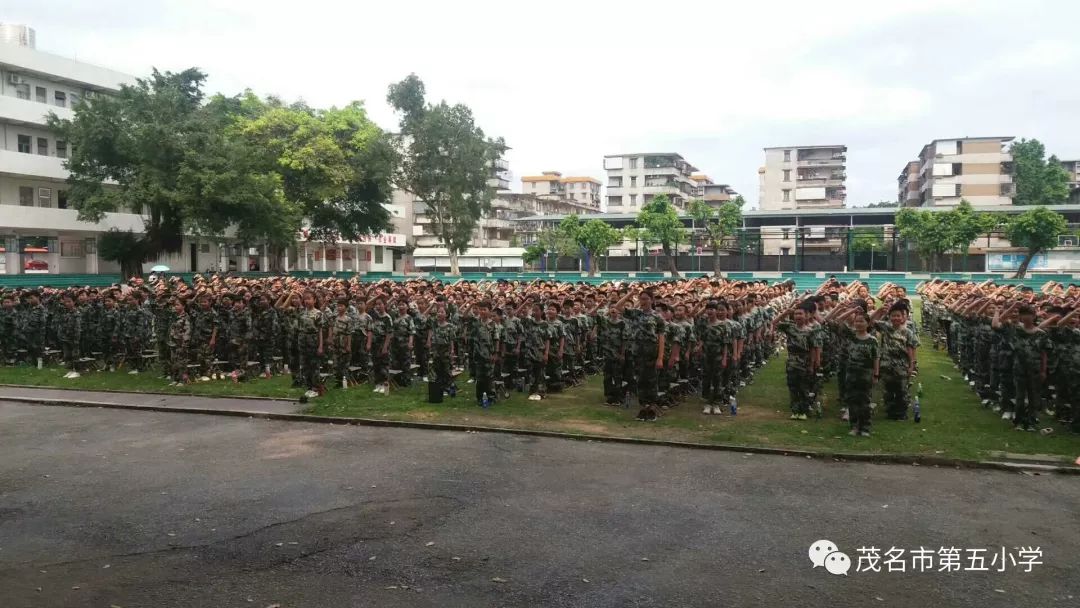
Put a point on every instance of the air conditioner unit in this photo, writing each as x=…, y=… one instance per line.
x=16, y=79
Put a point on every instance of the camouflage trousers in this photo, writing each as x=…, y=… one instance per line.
x=895, y=388
x=712, y=377
x=800, y=383
x=400, y=360
x=534, y=375
x=174, y=363
x=858, y=391
x=1028, y=388
x=310, y=361
x=440, y=363
x=613, y=378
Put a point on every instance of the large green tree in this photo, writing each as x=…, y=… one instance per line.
x=594, y=236
x=199, y=167
x=661, y=224
x=1037, y=231
x=717, y=223
x=446, y=162
x=927, y=231
x=1039, y=181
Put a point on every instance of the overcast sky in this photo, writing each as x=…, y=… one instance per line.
x=567, y=82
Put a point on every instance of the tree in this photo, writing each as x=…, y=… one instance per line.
x=594, y=236
x=927, y=230
x=883, y=205
x=1038, y=181
x=447, y=162
x=1036, y=230
x=963, y=225
x=260, y=168
x=661, y=224
x=124, y=247
x=717, y=223
x=867, y=238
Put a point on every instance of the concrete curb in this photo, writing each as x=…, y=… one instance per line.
x=158, y=393
x=908, y=459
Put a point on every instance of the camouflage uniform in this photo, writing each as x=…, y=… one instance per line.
x=442, y=340
x=111, y=327
x=1027, y=349
x=858, y=365
x=69, y=335
x=715, y=348
x=342, y=326
x=646, y=329
x=800, y=381
x=290, y=325
x=178, y=335
x=487, y=339
x=1001, y=356
x=535, y=336
x=894, y=367
x=609, y=334
x=382, y=326
x=203, y=323
x=309, y=323
x=10, y=330
x=361, y=329
x=556, y=331
x=511, y=337
x=399, y=348
x=138, y=329
x=421, y=325
x=238, y=331
x=33, y=331
x=264, y=328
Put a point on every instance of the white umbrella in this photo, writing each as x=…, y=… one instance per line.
x=159, y=268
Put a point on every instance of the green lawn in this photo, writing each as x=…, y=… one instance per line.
x=954, y=424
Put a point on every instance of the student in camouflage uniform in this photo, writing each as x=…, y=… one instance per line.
x=179, y=336
x=138, y=328
x=510, y=353
x=401, y=346
x=1030, y=349
x=288, y=312
x=361, y=352
x=340, y=337
x=535, y=335
x=112, y=328
x=649, y=339
x=714, y=360
x=485, y=351
x=9, y=329
x=34, y=329
x=69, y=334
x=804, y=347
x=382, y=330
x=238, y=331
x=609, y=333
x=554, y=349
x=673, y=340
x=204, y=334
x=898, y=346
x=264, y=327
x=422, y=323
x=310, y=334
x=442, y=338
x=861, y=366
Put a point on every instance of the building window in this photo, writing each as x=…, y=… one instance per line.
x=787, y=175
x=786, y=233
x=204, y=247
x=43, y=146
x=24, y=144
x=61, y=199
x=787, y=156
x=633, y=200
x=74, y=99
x=379, y=255
x=787, y=196
x=22, y=91
x=71, y=249
x=614, y=201
x=44, y=197
x=633, y=163
x=60, y=99
x=633, y=181
x=26, y=196
x=785, y=251
x=41, y=95
x=61, y=148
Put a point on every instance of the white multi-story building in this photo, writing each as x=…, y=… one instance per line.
x=976, y=169
x=1072, y=167
x=39, y=227
x=803, y=177
x=634, y=179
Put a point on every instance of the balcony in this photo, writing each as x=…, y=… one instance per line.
x=25, y=111
x=500, y=164
x=32, y=165
x=498, y=183
x=806, y=182
x=49, y=219
x=821, y=162
x=496, y=223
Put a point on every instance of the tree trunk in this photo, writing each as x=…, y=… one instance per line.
x=454, y=271
x=1021, y=271
x=716, y=260
x=594, y=265
x=671, y=261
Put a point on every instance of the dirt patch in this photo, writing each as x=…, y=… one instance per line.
x=290, y=444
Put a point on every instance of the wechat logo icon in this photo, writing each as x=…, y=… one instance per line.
x=825, y=553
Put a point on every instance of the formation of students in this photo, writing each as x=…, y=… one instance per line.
x=1018, y=349
x=653, y=343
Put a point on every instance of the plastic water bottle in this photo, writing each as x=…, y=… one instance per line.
x=485, y=402
x=918, y=410
x=733, y=406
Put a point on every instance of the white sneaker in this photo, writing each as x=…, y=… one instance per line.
x=707, y=410
x=470, y=381
x=424, y=379
x=844, y=414
x=717, y=410
x=996, y=409
x=133, y=372
x=74, y=375
x=68, y=375
x=534, y=397
x=1006, y=416
x=311, y=394
x=204, y=379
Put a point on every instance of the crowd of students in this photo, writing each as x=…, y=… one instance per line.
x=653, y=343
x=1018, y=348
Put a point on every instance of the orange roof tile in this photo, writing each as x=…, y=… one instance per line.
x=567, y=180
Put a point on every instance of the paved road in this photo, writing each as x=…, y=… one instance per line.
x=107, y=508
x=264, y=406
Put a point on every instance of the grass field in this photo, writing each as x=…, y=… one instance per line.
x=954, y=424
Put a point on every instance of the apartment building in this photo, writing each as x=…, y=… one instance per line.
x=976, y=169
x=1073, y=169
x=39, y=227
x=634, y=179
x=576, y=192
x=803, y=177
x=907, y=194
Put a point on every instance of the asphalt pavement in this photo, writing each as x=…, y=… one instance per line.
x=103, y=507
